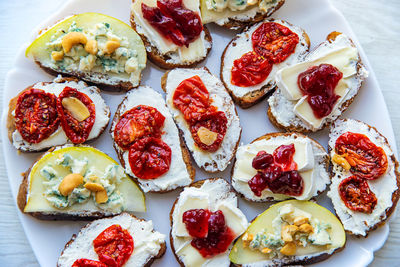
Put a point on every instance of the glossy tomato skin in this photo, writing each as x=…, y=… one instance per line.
x=274, y=41
x=138, y=122
x=175, y=22
x=319, y=83
x=277, y=172
x=149, y=158
x=36, y=116
x=251, y=69
x=114, y=246
x=77, y=131
x=88, y=263
x=356, y=195
x=192, y=98
x=367, y=160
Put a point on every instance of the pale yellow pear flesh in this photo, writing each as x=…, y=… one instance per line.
x=134, y=199
x=241, y=255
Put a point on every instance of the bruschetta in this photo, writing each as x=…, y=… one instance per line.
x=312, y=94
x=49, y=114
x=279, y=166
x=366, y=181
x=205, y=221
x=251, y=60
x=93, y=47
x=122, y=240
x=236, y=14
x=77, y=183
x=148, y=144
x=205, y=114
x=172, y=31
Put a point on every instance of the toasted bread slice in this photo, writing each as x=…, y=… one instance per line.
x=237, y=19
x=93, y=47
x=58, y=137
x=311, y=158
x=180, y=173
x=40, y=191
x=81, y=245
x=385, y=188
x=163, y=52
x=246, y=97
x=209, y=161
x=215, y=191
x=288, y=108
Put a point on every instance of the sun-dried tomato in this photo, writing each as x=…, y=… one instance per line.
x=356, y=194
x=88, y=263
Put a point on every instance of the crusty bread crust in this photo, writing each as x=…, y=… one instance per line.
x=164, y=87
x=161, y=60
x=149, y=262
x=11, y=119
x=185, y=152
x=293, y=128
x=395, y=195
x=196, y=184
x=235, y=24
x=268, y=136
x=254, y=97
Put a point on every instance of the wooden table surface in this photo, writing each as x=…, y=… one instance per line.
x=376, y=23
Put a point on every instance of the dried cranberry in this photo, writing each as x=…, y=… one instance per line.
x=197, y=222
x=258, y=184
x=319, y=83
x=288, y=183
x=262, y=160
x=283, y=156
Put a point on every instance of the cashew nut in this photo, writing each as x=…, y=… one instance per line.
x=341, y=161
x=57, y=55
x=77, y=109
x=247, y=238
x=71, y=39
x=206, y=136
x=101, y=197
x=69, y=183
x=266, y=250
x=299, y=220
x=289, y=249
x=91, y=47
x=94, y=187
x=111, y=46
x=287, y=232
x=306, y=228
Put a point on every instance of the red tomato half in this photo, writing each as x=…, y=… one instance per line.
x=88, y=263
x=357, y=195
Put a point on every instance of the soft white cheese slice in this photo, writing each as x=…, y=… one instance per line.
x=304, y=111
x=341, y=58
x=234, y=218
x=195, y=200
x=191, y=256
x=194, y=52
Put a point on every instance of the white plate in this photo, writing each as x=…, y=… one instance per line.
x=317, y=17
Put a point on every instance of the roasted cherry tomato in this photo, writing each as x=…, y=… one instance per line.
x=274, y=41
x=175, y=22
x=191, y=97
x=114, y=246
x=36, y=116
x=357, y=195
x=366, y=159
x=88, y=263
x=215, y=122
x=140, y=121
x=77, y=131
x=319, y=83
x=149, y=158
x=251, y=69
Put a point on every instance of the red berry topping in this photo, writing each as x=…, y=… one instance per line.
x=196, y=222
x=262, y=160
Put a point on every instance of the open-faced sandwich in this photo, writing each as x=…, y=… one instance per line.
x=93, y=47
x=251, y=60
x=119, y=241
x=148, y=144
x=49, y=114
x=77, y=183
x=366, y=181
x=289, y=233
x=172, y=31
x=205, y=115
x=312, y=94
x=279, y=166
x=205, y=221
x=236, y=14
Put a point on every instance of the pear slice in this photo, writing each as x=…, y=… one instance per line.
x=304, y=255
x=41, y=53
x=31, y=197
